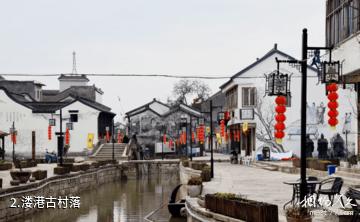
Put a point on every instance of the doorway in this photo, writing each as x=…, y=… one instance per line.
x=248, y=140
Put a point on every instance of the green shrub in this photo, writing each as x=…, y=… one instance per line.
x=195, y=181
x=206, y=173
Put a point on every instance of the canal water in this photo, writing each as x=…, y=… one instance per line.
x=129, y=200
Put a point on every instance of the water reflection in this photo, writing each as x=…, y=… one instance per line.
x=129, y=201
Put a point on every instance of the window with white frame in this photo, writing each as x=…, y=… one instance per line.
x=248, y=96
x=342, y=20
x=231, y=98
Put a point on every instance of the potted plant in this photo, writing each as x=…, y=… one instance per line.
x=39, y=174
x=206, y=173
x=4, y=165
x=194, y=186
x=20, y=175
x=352, y=161
x=297, y=214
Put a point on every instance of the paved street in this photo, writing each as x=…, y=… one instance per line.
x=254, y=183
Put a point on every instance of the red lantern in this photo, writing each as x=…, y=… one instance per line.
x=332, y=87
x=222, y=128
x=280, y=109
x=67, y=136
x=107, y=136
x=280, y=100
x=333, y=105
x=280, y=117
x=279, y=134
x=333, y=96
x=280, y=126
x=164, y=138
x=333, y=122
x=333, y=113
x=171, y=144
x=49, y=132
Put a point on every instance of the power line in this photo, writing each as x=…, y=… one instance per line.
x=146, y=75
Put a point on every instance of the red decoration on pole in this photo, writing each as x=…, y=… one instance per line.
x=164, y=138
x=67, y=136
x=107, y=136
x=193, y=137
x=49, y=132
x=119, y=137
x=332, y=104
x=222, y=128
x=280, y=118
x=171, y=144
x=13, y=137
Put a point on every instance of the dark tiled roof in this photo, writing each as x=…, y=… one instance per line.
x=45, y=107
x=73, y=77
x=144, y=108
x=267, y=55
x=87, y=92
x=2, y=78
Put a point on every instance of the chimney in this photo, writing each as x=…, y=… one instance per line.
x=275, y=46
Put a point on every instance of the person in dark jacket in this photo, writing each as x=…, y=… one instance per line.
x=309, y=146
x=322, y=147
x=338, y=146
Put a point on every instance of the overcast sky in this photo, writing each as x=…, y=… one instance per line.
x=202, y=37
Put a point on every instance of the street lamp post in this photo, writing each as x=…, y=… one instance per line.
x=112, y=140
x=211, y=142
x=13, y=131
x=191, y=151
x=330, y=75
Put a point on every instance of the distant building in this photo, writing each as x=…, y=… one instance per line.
x=30, y=106
x=343, y=33
x=152, y=120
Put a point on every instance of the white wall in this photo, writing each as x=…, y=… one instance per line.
x=26, y=122
x=315, y=93
x=87, y=123
x=348, y=54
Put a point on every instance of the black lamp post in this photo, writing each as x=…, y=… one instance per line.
x=183, y=127
x=13, y=134
x=330, y=73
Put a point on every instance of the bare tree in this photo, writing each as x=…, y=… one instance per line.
x=185, y=88
x=201, y=89
x=182, y=89
x=266, y=117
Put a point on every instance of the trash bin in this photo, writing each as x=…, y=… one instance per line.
x=266, y=153
x=259, y=157
x=331, y=169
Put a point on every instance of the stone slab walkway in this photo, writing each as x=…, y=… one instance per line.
x=255, y=183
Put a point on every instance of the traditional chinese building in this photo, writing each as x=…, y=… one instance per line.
x=252, y=111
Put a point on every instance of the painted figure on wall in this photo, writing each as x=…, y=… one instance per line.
x=320, y=113
x=347, y=124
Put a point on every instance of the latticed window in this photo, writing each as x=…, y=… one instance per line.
x=232, y=98
x=342, y=20
x=248, y=96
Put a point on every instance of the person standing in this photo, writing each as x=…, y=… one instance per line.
x=309, y=146
x=322, y=147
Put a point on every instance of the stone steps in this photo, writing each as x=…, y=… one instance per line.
x=105, y=152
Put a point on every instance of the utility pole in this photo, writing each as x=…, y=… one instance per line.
x=211, y=141
x=191, y=151
x=112, y=140
x=60, y=141
x=13, y=136
x=303, y=62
